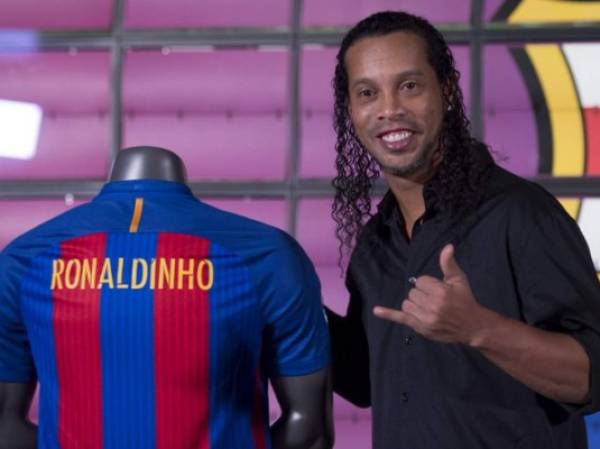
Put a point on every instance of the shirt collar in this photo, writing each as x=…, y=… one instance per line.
x=144, y=186
x=388, y=207
x=390, y=212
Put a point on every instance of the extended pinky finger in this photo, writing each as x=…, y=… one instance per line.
x=397, y=316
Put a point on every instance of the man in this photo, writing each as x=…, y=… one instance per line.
x=474, y=314
x=153, y=320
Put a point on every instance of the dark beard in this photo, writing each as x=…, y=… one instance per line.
x=410, y=169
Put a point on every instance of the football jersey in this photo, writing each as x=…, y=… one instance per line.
x=152, y=320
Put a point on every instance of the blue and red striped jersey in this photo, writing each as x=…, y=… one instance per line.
x=152, y=320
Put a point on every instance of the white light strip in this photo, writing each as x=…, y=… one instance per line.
x=589, y=222
x=19, y=129
x=584, y=61
x=189, y=49
x=272, y=48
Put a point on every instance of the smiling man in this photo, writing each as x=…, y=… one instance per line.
x=474, y=312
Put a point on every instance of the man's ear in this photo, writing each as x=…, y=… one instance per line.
x=448, y=98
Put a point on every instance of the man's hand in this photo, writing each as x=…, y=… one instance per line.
x=442, y=310
x=552, y=364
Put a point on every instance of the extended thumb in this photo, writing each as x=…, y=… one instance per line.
x=448, y=263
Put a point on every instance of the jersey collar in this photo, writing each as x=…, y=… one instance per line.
x=144, y=186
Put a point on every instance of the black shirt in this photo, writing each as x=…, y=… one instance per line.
x=526, y=259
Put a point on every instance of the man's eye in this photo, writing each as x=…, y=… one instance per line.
x=410, y=85
x=365, y=93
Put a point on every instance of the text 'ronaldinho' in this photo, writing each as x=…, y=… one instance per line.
x=132, y=273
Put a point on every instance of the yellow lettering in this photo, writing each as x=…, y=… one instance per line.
x=181, y=272
x=120, y=284
x=205, y=270
x=106, y=275
x=152, y=273
x=58, y=266
x=139, y=281
x=88, y=273
x=166, y=273
x=72, y=274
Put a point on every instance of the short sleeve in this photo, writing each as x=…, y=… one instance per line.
x=296, y=339
x=16, y=362
x=558, y=285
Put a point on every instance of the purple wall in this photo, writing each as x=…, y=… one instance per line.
x=225, y=111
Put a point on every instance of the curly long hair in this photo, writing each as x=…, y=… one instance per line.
x=456, y=186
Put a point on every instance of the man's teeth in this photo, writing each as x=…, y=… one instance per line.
x=395, y=137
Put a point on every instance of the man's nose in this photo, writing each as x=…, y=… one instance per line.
x=391, y=106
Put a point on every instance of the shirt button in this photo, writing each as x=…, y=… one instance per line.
x=412, y=280
x=408, y=340
x=404, y=397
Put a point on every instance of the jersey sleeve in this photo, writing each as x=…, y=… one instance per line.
x=16, y=361
x=560, y=292
x=296, y=339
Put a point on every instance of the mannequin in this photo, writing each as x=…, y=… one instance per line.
x=305, y=400
x=16, y=431
x=148, y=163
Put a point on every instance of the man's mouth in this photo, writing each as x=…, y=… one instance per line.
x=396, y=139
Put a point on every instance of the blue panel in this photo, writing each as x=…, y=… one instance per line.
x=593, y=430
x=127, y=338
x=38, y=313
x=234, y=352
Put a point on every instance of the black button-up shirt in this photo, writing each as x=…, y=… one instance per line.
x=526, y=259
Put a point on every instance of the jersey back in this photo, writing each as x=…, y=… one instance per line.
x=152, y=320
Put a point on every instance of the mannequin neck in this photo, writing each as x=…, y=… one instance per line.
x=148, y=163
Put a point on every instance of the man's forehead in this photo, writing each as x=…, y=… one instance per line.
x=402, y=50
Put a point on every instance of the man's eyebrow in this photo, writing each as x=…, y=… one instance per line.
x=361, y=81
x=415, y=72
x=405, y=74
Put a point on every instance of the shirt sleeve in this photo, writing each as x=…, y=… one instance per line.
x=296, y=341
x=558, y=284
x=350, y=350
x=16, y=361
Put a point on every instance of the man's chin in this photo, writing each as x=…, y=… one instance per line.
x=402, y=171
x=416, y=167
